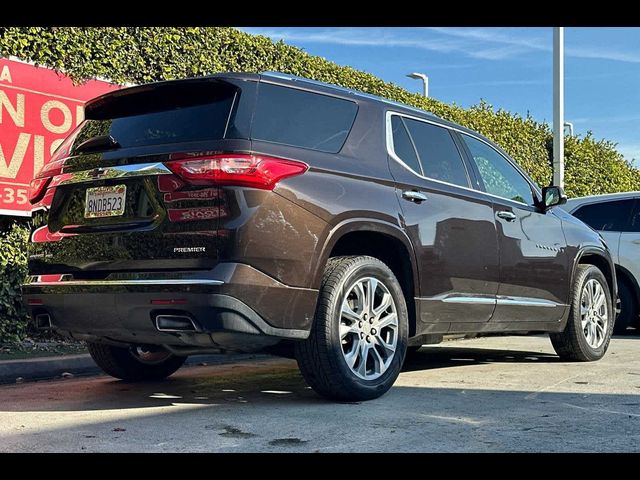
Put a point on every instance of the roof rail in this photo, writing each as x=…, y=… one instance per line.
x=296, y=78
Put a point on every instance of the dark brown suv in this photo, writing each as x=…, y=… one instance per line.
x=243, y=212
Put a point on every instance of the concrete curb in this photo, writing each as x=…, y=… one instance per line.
x=42, y=368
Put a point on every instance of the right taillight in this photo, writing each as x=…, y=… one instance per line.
x=258, y=171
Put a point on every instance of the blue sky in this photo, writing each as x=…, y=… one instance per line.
x=510, y=68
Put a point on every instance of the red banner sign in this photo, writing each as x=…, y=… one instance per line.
x=38, y=109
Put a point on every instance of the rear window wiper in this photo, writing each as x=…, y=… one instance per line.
x=98, y=144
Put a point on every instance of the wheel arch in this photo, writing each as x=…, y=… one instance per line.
x=598, y=257
x=381, y=240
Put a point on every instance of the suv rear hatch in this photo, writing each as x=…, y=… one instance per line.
x=110, y=201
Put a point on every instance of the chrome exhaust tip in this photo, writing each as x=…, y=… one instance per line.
x=175, y=323
x=43, y=321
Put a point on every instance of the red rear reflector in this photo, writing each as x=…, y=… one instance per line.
x=168, y=301
x=256, y=171
x=34, y=301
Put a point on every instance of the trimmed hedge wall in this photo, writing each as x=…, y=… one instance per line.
x=13, y=268
x=146, y=54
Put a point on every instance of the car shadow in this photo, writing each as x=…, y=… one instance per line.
x=266, y=406
x=445, y=357
x=271, y=380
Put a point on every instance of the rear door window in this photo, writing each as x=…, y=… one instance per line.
x=294, y=117
x=606, y=216
x=438, y=154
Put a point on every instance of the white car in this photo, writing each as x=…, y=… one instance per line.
x=616, y=217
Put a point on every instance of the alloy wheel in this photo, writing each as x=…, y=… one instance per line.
x=368, y=328
x=594, y=313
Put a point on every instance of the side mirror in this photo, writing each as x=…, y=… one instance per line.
x=552, y=196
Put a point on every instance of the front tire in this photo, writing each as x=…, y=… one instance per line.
x=134, y=363
x=359, y=336
x=589, y=327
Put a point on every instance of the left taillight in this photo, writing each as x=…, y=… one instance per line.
x=257, y=171
x=38, y=185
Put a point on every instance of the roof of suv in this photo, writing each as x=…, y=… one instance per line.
x=299, y=82
x=573, y=203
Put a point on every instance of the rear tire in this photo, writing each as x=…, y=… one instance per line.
x=356, y=355
x=134, y=364
x=628, y=316
x=587, y=334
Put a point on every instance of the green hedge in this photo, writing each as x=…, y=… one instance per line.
x=13, y=268
x=145, y=54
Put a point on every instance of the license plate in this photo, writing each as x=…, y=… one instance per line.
x=105, y=201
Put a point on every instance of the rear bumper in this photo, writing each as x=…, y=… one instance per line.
x=233, y=306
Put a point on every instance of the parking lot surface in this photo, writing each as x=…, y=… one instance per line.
x=497, y=394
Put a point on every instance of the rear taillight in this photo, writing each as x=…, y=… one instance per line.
x=39, y=184
x=256, y=171
x=37, y=188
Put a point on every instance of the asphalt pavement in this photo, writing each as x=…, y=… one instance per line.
x=500, y=394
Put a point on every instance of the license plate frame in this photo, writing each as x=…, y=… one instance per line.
x=101, y=202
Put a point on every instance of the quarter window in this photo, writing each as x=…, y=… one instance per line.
x=402, y=145
x=606, y=216
x=302, y=119
x=500, y=178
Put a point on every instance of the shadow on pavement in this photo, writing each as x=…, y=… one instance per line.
x=266, y=406
x=446, y=357
x=272, y=381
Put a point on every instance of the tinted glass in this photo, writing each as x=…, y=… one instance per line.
x=606, y=216
x=634, y=223
x=500, y=178
x=402, y=146
x=161, y=115
x=302, y=119
x=438, y=154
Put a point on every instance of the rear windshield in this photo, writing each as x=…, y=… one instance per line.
x=161, y=115
x=302, y=119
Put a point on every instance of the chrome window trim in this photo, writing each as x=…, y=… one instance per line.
x=392, y=154
x=32, y=281
x=121, y=171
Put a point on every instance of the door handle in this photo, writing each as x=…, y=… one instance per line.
x=507, y=215
x=637, y=242
x=414, y=196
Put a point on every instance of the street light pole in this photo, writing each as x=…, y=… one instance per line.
x=425, y=81
x=558, y=106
